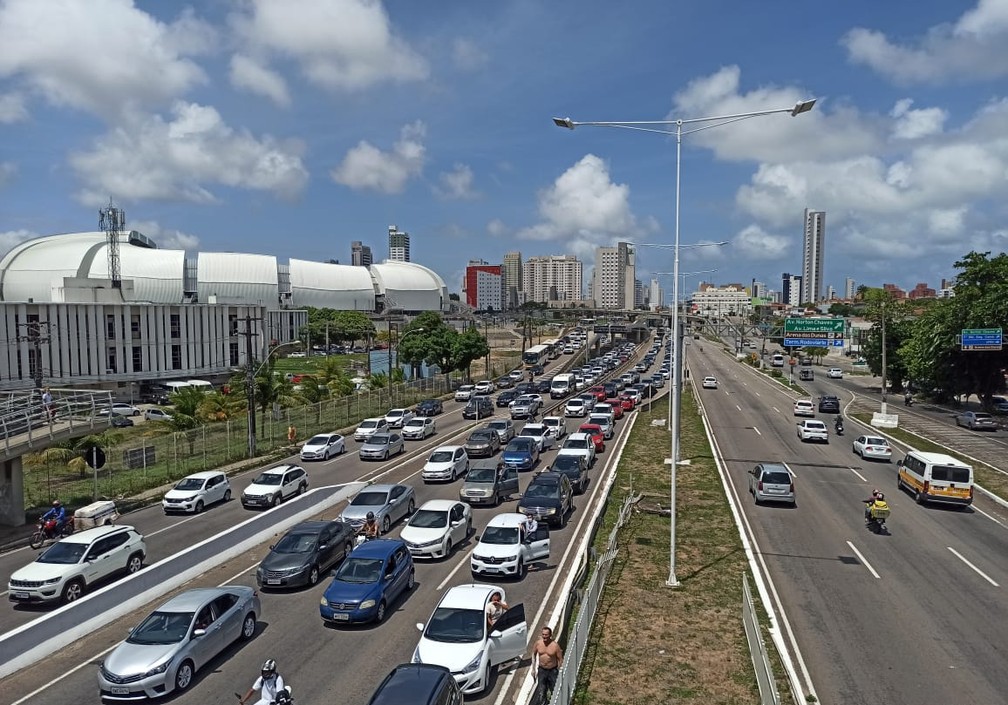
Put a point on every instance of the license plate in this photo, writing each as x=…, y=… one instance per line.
x=273, y=581
x=119, y=690
x=22, y=596
x=341, y=617
x=488, y=569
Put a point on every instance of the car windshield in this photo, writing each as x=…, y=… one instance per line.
x=500, y=535
x=777, y=478
x=317, y=441
x=296, y=543
x=815, y=424
x=498, y=425
x=599, y=420
x=162, y=628
x=429, y=519
x=359, y=570
x=481, y=436
x=414, y=423
x=982, y=417
x=269, y=478
x=369, y=424
x=441, y=456
x=64, y=553
x=540, y=489
x=520, y=444
x=190, y=484
x=538, y=431
x=876, y=441
x=481, y=475
x=379, y=439
x=575, y=402
x=395, y=412
x=565, y=463
x=369, y=499
x=456, y=626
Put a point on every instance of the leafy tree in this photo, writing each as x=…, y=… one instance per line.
x=880, y=305
x=218, y=407
x=343, y=326
x=377, y=380
x=398, y=376
x=332, y=375
x=467, y=348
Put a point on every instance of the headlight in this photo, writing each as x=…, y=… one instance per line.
x=367, y=604
x=158, y=669
x=51, y=581
x=425, y=544
x=549, y=512
x=322, y=601
x=474, y=664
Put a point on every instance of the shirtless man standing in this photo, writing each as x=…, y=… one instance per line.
x=547, y=657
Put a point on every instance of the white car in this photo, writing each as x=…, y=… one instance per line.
x=516, y=375
x=436, y=527
x=484, y=386
x=575, y=407
x=156, y=414
x=541, y=434
x=396, y=418
x=834, y=373
x=710, y=382
x=605, y=422
x=504, y=549
x=323, y=446
x=812, y=430
x=457, y=636
x=196, y=492
x=804, y=407
x=579, y=444
x=872, y=447
x=419, y=428
x=445, y=463
x=465, y=392
x=369, y=427
x=556, y=426
x=72, y=565
x=274, y=486
x=120, y=409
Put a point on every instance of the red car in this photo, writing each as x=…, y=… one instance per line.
x=599, y=391
x=597, y=436
x=617, y=407
x=627, y=402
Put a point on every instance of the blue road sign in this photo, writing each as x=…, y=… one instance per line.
x=981, y=339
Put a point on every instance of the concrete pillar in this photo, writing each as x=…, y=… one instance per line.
x=12, y=493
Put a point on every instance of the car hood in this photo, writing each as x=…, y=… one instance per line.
x=137, y=659
x=352, y=513
x=284, y=561
x=485, y=486
x=313, y=447
x=496, y=550
x=43, y=571
x=454, y=657
x=255, y=489
x=338, y=591
x=431, y=465
x=181, y=494
x=375, y=447
x=415, y=534
x=539, y=502
x=516, y=455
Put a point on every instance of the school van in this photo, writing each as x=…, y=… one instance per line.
x=936, y=477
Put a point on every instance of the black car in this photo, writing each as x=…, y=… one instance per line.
x=478, y=408
x=549, y=497
x=829, y=405
x=542, y=386
x=417, y=684
x=506, y=397
x=525, y=388
x=305, y=553
x=429, y=407
x=504, y=382
x=121, y=421
x=575, y=467
x=610, y=389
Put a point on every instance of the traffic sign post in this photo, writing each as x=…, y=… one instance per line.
x=973, y=339
x=814, y=332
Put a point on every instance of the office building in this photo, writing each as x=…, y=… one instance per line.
x=556, y=276
x=813, y=251
x=656, y=297
x=850, y=288
x=511, y=270
x=791, y=290
x=759, y=290
x=360, y=254
x=483, y=286
x=614, y=277
x=719, y=301
x=398, y=244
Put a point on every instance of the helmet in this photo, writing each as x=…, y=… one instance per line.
x=269, y=668
x=57, y=504
x=370, y=516
x=879, y=496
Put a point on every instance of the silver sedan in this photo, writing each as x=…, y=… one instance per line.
x=382, y=446
x=390, y=503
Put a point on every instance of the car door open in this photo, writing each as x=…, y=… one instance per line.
x=508, y=639
x=539, y=545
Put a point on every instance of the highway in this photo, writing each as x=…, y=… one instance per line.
x=321, y=663
x=912, y=617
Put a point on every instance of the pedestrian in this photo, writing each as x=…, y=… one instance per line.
x=494, y=609
x=47, y=403
x=547, y=657
x=291, y=434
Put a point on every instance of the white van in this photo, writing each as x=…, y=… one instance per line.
x=936, y=477
x=777, y=360
x=561, y=385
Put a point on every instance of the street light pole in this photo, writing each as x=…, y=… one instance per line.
x=250, y=390
x=704, y=123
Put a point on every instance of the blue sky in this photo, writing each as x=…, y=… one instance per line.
x=293, y=127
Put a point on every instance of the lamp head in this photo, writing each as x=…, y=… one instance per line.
x=564, y=122
x=802, y=106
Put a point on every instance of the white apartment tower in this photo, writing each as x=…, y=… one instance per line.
x=655, y=295
x=398, y=245
x=613, y=283
x=850, y=288
x=559, y=276
x=813, y=250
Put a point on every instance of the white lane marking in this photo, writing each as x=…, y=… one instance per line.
x=172, y=526
x=977, y=509
x=791, y=472
x=978, y=571
x=864, y=561
x=775, y=409
x=754, y=392
x=448, y=577
x=858, y=474
x=97, y=656
x=738, y=407
x=757, y=431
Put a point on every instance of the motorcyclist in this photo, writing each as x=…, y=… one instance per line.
x=838, y=424
x=908, y=398
x=269, y=683
x=58, y=513
x=877, y=499
x=369, y=529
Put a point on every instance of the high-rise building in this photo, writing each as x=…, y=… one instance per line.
x=759, y=290
x=638, y=293
x=360, y=254
x=791, y=290
x=850, y=288
x=614, y=277
x=813, y=250
x=718, y=301
x=830, y=293
x=558, y=276
x=922, y=291
x=511, y=269
x=398, y=245
x=484, y=286
x=655, y=295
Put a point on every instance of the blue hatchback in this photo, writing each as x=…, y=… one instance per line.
x=367, y=582
x=521, y=453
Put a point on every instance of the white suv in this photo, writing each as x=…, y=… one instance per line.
x=504, y=549
x=275, y=485
x=196, y=492
x=68, y=568
x=465, y=392
x=834, y=373
x=369, y=427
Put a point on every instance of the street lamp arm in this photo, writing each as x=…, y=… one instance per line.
x=802, y=106
x=663, y=246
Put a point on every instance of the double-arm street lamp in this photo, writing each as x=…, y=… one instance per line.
x=250, y=392
x=675, y=127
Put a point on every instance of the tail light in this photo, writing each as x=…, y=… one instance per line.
x=791, y=487
x=760, y=486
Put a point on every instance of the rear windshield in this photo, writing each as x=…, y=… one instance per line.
x=777, y=478
x=950, y=473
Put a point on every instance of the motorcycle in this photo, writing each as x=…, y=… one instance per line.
x=284, y=696
x=876, y=514
x=838, y=427
x=908, y=400
x=50, y=530
x=363, y=538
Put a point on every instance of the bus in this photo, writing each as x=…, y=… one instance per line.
x=555, y=347
x=536, y=355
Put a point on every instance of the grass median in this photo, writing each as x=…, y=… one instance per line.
x=651, y=643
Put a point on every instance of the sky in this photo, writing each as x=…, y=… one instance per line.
x=292, y=127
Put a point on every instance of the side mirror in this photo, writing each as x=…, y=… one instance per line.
x=420, y=626
x=197, y=633
x=323, y=546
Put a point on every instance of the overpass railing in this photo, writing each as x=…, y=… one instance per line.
x=26, y=420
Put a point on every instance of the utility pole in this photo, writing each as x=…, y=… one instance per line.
x=35, y=337
x=250, y=386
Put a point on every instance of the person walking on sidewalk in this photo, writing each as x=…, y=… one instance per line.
x=547, y=657
x=47, y=403
x=292, y=434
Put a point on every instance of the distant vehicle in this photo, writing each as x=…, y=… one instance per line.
x=812, y=430
x=539, y=433
x=478, y=408
x=371, y=578
x=580, y=444
x=302, y=555
x=521, y=452
x=429, y=407
x=482, y=443
x=504, y=548
x=505, y=429
x=710, y=382
x=834, y=373
x=419, y=428
x=382, y=446
x=829, y=404
x=390, y=503
x=872, y=447
x=121, y=421
x=549, y=497
x=196, y=492
x=437, y=526
x=976, y=421
x=804, y=407
x=156, y=414
x=575, y=407
x=556, y=426
x=575, y=467
x=445, y=463
x=323, y=446
x=274, y=486
x=484, y=387
x=777, y=360
x=369, y=427
x=771, y=482
x=465, y=392
x=489, y=482
x=395, y=418
x=120, y=409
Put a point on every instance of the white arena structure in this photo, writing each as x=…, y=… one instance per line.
x=172, y=315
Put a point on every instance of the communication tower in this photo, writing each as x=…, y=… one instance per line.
x=112, y=220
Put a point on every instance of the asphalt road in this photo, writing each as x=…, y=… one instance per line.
x=916, y=616
x=321, y=663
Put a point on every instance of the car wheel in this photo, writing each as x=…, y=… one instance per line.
x=199, y=506
x=184, y=675
x=411, y=581
x=135, y=563
x=301, y=488
x=227, y=496
x=313, y=575
x=469, y=528
x=520, y=572
x=386, y=524
x=275, y=500
x=448, y=548
x=248, y=626
x=380, y=614
x=73, y=591
x=385, y=457
x=410, y=508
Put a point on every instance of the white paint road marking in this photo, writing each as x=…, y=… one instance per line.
x=775, y=409
x=864, y=561
x=738, y=407
x=858, y=474
x=977, y=509
x=757, y=431
x=978, y=571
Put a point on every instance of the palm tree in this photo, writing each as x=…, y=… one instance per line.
x=218, y=407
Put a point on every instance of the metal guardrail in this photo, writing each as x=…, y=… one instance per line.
x=26, y=420
x=757, y=649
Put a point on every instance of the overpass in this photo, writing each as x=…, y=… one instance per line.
x=26, y=426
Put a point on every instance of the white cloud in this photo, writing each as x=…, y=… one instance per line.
x=182, y=158
x=754, y=243
x=468, y=55
x=497, y=228
x=7, y=170
x=102, y=56
x=248, y=74
x=166, y=238
x=457, y=184
x=970, y=49
x=12, y=108
x=914, y=124
x=338, y=44
x=11, y=238
x=947, y=222
x=367, y=167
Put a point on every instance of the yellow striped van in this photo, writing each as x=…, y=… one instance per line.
x=936, y=477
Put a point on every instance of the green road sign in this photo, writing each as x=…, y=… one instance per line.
x=814, y=332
